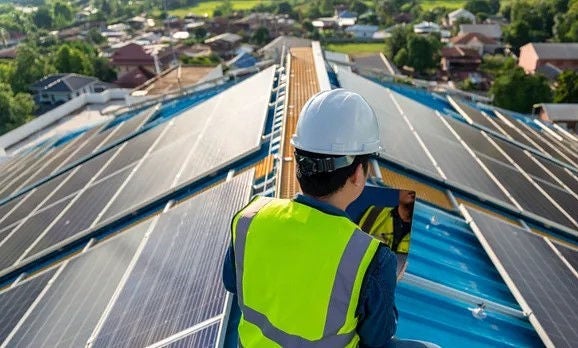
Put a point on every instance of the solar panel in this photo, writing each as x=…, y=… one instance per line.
x=539, y=275
x=461, y=168
x=513, y=133
x=14, y=302
x=129, y=126
x=176, y=282
x=568, y=202
x=27, y=232
x=69, y=311
x=475, y=115
x=87, y=147
x=541, y=142
x=133, y=150
x=6, y=208
x=205, y=338
x=81, y=213
x=570, y=255
x=561, y=173
x=475, y=140
x=524, y=193
x=524, y=161
x=396, y=137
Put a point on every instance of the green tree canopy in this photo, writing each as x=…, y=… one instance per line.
x=567, y=87
x=517, y=91
x=422, y=53
x=15, y=109
x=261, y=36
x=29, y=66
x=42, y=18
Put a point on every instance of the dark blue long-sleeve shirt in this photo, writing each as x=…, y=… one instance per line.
x=376, y=307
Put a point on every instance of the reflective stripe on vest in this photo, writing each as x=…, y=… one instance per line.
x=379, y=222
x=352, y=257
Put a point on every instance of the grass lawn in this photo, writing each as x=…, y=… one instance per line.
x=450, y=4
x=356, y=48
x=207, y=7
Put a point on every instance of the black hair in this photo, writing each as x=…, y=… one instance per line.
x=324, y=184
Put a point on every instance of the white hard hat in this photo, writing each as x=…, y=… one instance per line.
x=337, y=122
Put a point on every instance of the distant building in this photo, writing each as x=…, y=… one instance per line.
x=460, y=59
x=242, y=60
x=274, y=49
x=476, y=41
x=426, y=28
x=565, y=115
x=225, y=44
x=461, y=13
x=135, y=77
x=563, y=56
x=154, y=58
x=360, y=31
x=60, y=88
x=493, y=31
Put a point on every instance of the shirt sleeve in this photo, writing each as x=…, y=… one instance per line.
x=229, y=275
x=376, y=308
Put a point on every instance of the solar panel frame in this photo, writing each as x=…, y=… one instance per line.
x=475, y=115
x=560, y=173
x=570, y=255
x=129, y=126
x=475, y=140
x=536, y=275
x=181, y=260
x=205, y=338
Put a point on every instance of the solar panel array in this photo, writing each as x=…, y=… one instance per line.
x=480, y=158
x=533, y=271
x=159, y=278
x=155, y=280
x=134, y=173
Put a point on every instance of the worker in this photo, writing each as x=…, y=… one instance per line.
x=391, y=225
x=305, y=275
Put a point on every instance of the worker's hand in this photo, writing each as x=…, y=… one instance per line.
x=403, y=268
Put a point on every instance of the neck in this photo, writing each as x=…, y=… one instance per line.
x=335, y=200
x=404, y=212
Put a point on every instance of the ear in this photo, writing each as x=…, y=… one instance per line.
x=358, y=177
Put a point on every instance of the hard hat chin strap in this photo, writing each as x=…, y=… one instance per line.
x=309, y=166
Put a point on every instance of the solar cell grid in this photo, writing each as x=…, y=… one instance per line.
x=6, y=208
x=87, y=147
x=128, y=127
x=570, y=255
x=26, y=233
x=475, y=140
x=514, y=134
x=15, y=302
x=546, y=284
x=81, y=213
x=561, y=173
x=460, y=167
x=71, y=308
x=525, y=193
x=476, y=116
x=133, y=150
x=176, y=281
x=541, y=142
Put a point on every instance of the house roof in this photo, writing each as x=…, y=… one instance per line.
x=565, y=51
x=135, y=77
x=490, y=30
x=464, y=39
x=228, y=37
x=287, y=41
x=362, y=27
x=549, y=70
x=459, y=52
x=460, y=13
x=560, y=112
x=62, y=83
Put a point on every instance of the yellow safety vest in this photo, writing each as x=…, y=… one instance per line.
x=299, y=274
x=378, y=222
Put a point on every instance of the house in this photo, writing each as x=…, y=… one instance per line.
x=360, y=31
x=426, y=28
x=60, y=88
x=565, y=115
x=461, y=13
x=346, y=18
x=152, y=57
x=564, y=56
x=242, y=60
x=274, y=49
x=493, y=31
x=8, y=53
x=137, y=22
x=460, y=59
x=225, y=44
x=476, y=41
x=135, y=77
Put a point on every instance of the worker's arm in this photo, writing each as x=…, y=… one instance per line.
x=229, y=275
x=376, y=308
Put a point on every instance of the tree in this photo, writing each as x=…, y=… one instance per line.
x=397, y=40
x=421, y=53
x=400, y=58
x=95, y=37
x=478, y=6
x=567, y=87
x=42, y=18
x=29, y=66
x=72, y=60
x=518, y=34
x=284, y=8
x=103, y=70
x=261, y=36
x=15, y=110
x=517, y=91
x=63, y=14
